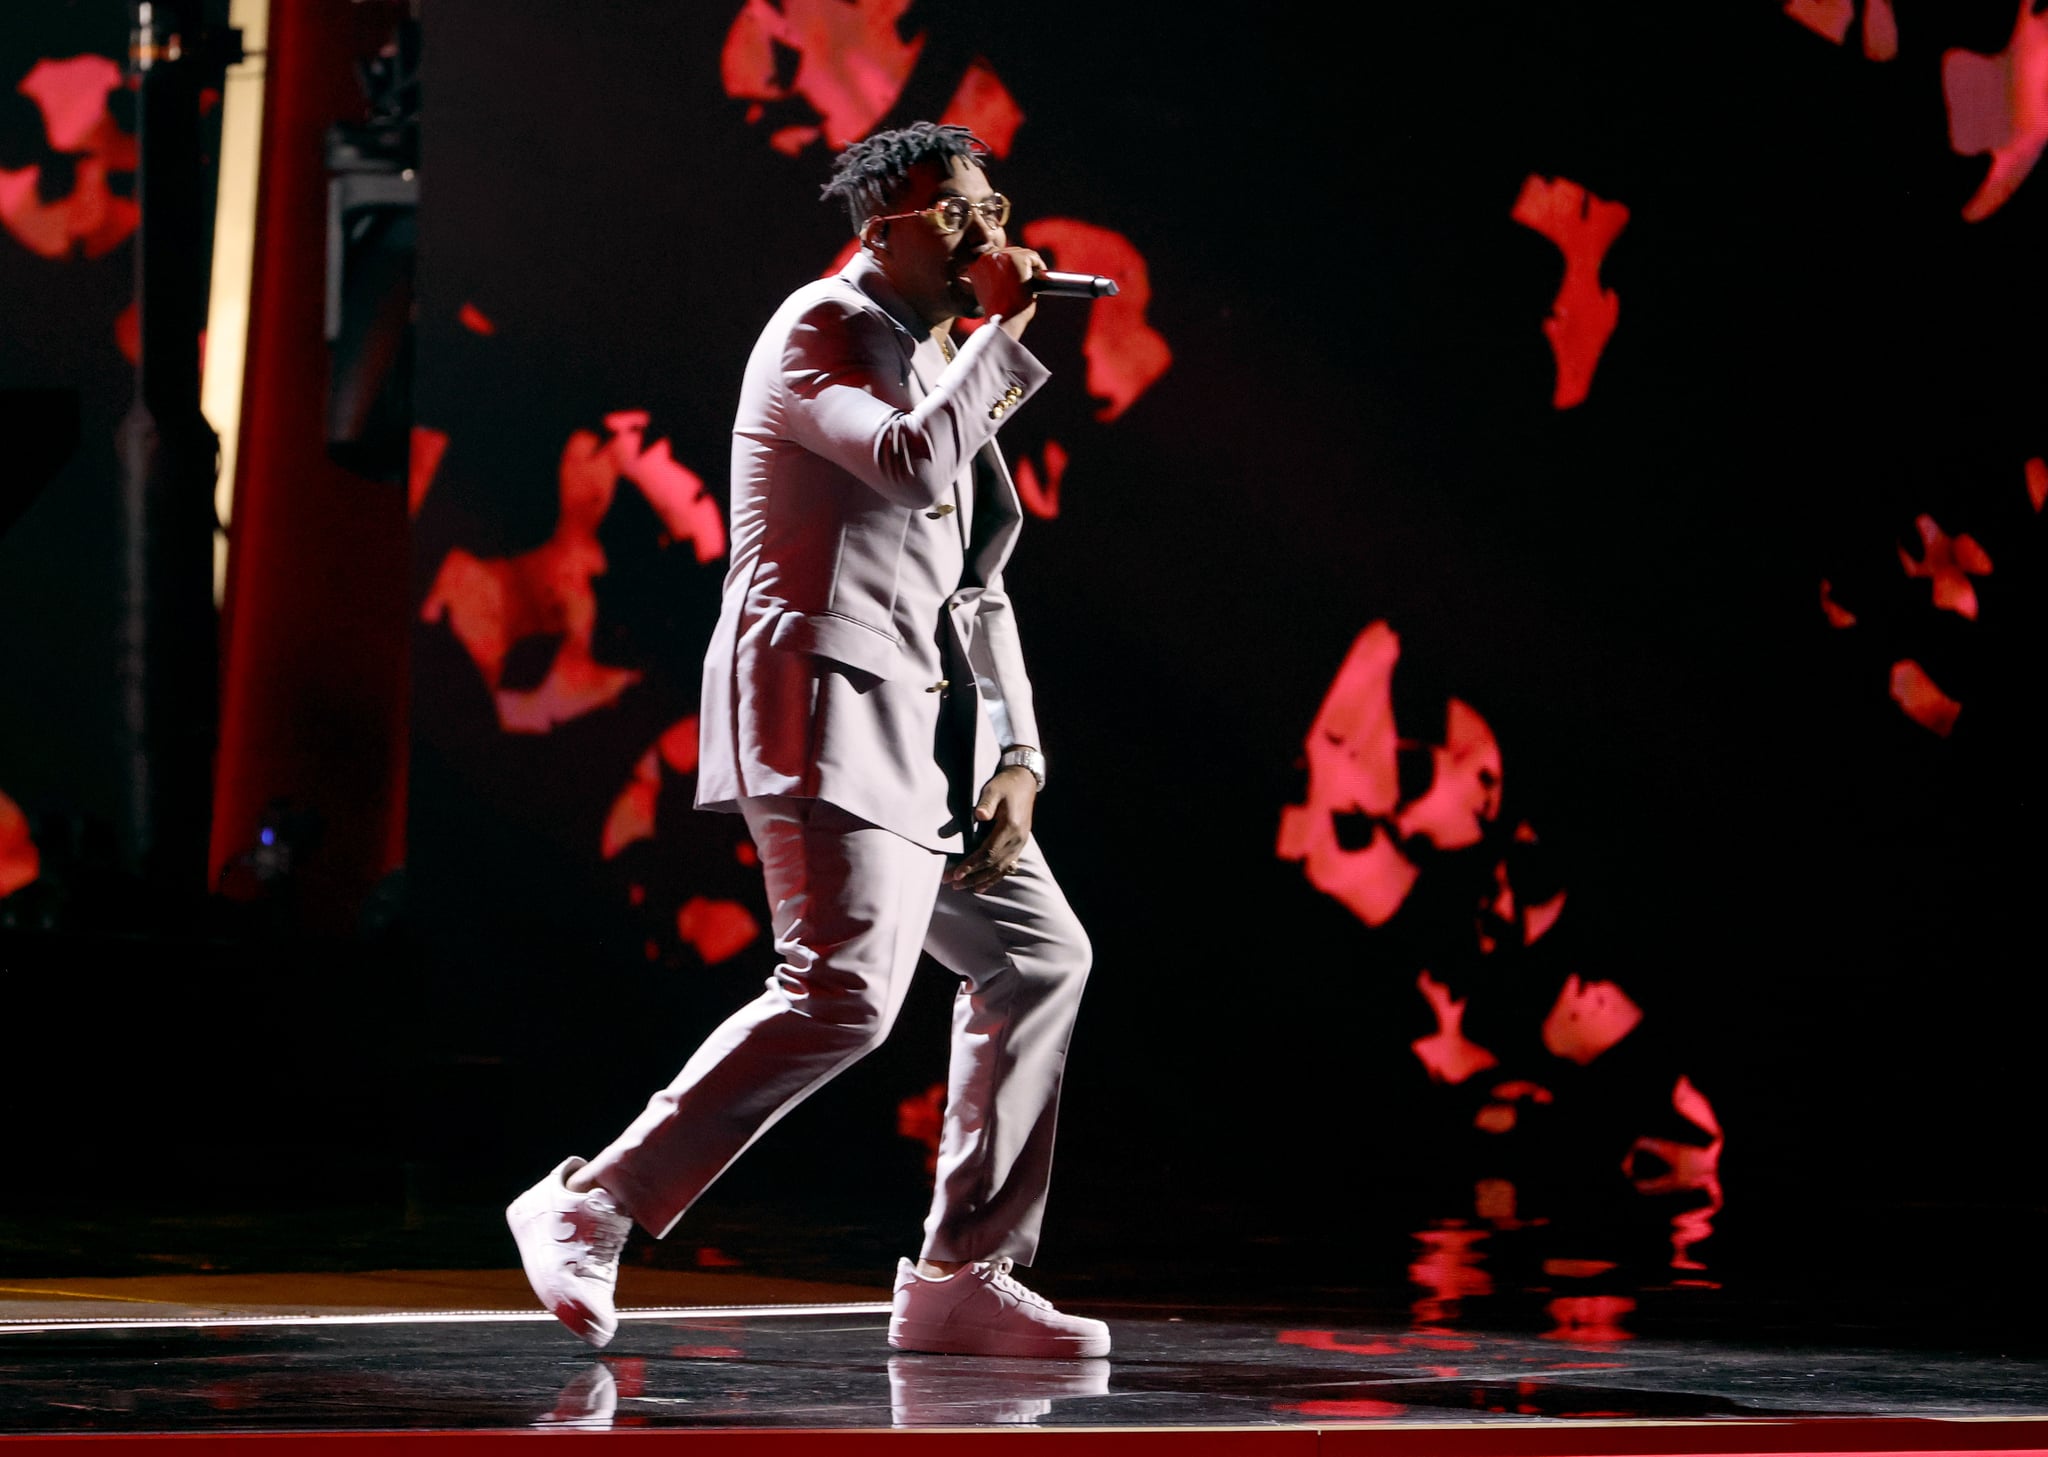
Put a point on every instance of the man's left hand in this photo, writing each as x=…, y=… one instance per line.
x=1005, y=812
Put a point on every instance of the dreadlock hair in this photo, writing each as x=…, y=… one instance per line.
x=868, y=174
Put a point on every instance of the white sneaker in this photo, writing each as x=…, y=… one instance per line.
x=590, y=1400
x=570, y=1246
x=982, y=1310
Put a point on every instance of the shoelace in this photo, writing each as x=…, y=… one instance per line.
x=605, y=1237
x=999, y=1276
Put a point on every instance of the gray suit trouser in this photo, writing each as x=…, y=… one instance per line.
x=852, y=907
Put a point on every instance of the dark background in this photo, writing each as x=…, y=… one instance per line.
x=1826, y=912
x=1830, y=917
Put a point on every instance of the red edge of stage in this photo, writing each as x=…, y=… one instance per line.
x=1817, y=1436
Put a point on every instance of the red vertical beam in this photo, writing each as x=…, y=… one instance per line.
x=313, y=672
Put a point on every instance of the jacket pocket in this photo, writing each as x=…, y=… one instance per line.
x=842, y=639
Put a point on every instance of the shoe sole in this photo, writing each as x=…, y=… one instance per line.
x=948, y=1340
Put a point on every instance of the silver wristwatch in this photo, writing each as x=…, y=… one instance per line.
x=1026, y=759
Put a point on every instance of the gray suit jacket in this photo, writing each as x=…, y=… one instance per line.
x=866, y=653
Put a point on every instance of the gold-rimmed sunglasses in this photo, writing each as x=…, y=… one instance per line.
x=949, y=214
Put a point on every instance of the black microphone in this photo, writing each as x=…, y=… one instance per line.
x=1071, y=285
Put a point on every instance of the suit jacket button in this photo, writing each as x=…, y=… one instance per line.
x=939, y=687
x=1013, y=394
x=996, y=410
x=944, y=508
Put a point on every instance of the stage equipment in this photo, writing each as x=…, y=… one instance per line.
x=41, y=429
x=169, y=457
x=1072, y=285
x=265, y=870
x=372, y=233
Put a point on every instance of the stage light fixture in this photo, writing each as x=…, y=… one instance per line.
x=372, y=233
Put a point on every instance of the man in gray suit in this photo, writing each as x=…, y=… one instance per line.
x=865, y=706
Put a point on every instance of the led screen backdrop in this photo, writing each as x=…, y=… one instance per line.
x=67, y=221
x=1534, y=590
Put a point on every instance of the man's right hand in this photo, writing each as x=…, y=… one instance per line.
x=999, y=279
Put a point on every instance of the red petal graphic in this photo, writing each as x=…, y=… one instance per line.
x=1503, y=903
x=851, y=63
x=1880, y=30
x=428, y=446
x=632, y=815
x=920, y=1117
x=1587, y=1019
x=1042, y=500
x=678, y=745
x=1465, y=794
x=1448, y=1053
x=630, y=1372
x=1921, y=698
x=1830, y=18
x=1691, y=1102
x=128, y=332
x=72, y=96
x=1688, y=1167
x=1125, y=354
x=20, y=862
x=1449, y=1269
x=1351, y=743
x=719, y=929
x=2037, y=482
x=1836, y=614
x=1346, y=1409
x=1584, y=314
x=1540, y=917
x=985, y=107
x=1589, y=1318
x=675, y=492
x=1327, y=1341
x=1352, y=770
x=1999, y=104
x=493, y=604
x=1577, y=1269
x=1948, y=563
x=1494, y=1201
x=1502, y=907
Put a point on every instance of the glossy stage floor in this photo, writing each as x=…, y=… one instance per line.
x=429, y=1360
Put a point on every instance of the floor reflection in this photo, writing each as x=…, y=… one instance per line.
x=590, y=1400
x=1498, y=1266
x=958, y=1391
x=834, y=1370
